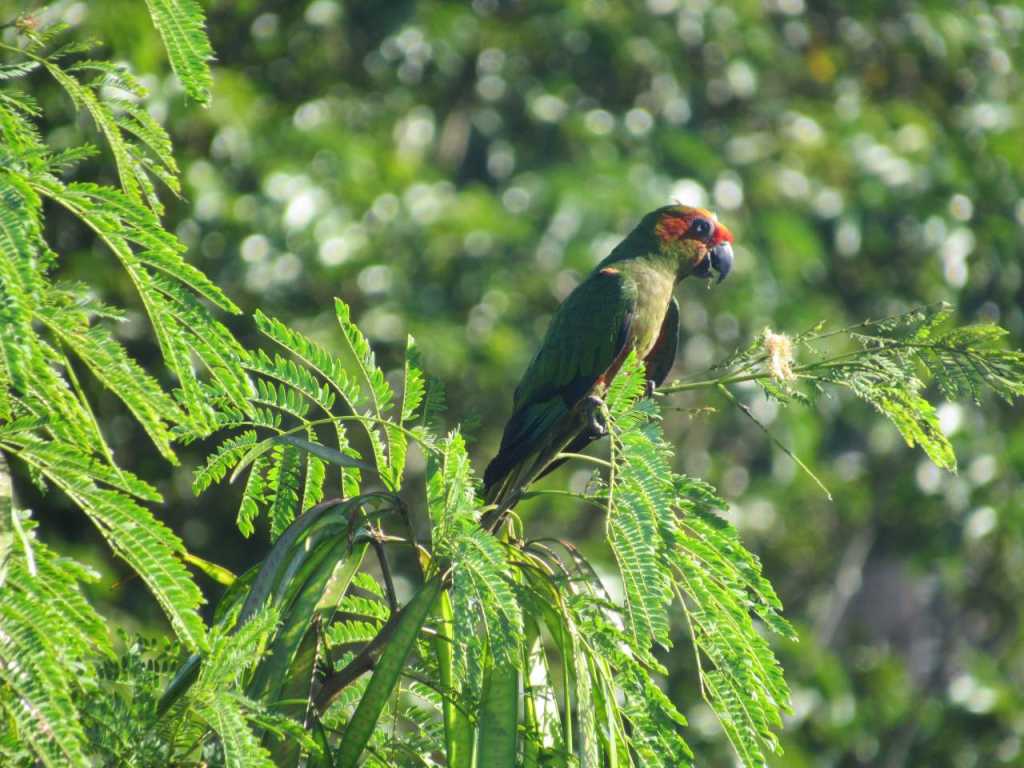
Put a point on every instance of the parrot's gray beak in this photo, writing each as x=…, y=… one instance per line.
x=721, y=260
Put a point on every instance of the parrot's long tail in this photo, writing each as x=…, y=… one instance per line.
x=504, y=492
x=533, y=439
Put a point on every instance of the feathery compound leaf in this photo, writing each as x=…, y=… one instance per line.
x=965, y=358
x=234, y=651
x=627, y=388
x=450, y=495
x=47, y=628
x=723, y=586
x=639, y=492
x=295, y=376
x=132, y=532
x=638, y=495
x=20, y=225
x=665, y=535
x=182, y=26
x=283, y=485
x=412, y=395
x=131, y=160
x=52, y=583
x=413, y=383
x=884, y=369
x=224, y=458
x=58, y=456
x=168, y=288
x=36, y=692
x=285, y=392
x=916, y=421
x=17, y=69
x=377, y=394
x=241, y=747
x=377, y=388
x=254, y=496
x=313, y=355
x=482, y=596
x=653, y=720
x=313, y=486
x=110, y=364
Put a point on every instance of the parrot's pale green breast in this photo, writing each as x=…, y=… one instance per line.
x=654, y=283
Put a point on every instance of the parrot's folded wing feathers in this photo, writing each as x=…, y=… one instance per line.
x=586, y=339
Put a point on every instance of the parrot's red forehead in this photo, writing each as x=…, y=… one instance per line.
x=675, y=223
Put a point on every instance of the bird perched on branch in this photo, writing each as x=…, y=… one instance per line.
x=626, y=303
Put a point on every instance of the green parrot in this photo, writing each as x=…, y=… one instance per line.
x=625, y=303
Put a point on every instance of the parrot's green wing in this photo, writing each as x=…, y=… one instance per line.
x=659, y=362
x=587, y=336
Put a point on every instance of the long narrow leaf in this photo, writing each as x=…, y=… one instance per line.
x=386, y=674
x=458, y=730
x=499, y=712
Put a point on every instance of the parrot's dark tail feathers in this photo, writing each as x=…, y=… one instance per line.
x=533, y=439
x=496, y=472
x=505, y=479
x=498, y=484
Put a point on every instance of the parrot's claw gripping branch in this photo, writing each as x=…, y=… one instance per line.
x=595, y=416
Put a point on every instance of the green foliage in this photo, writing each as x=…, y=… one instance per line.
x=55, y=646
x=883, y=364
x=314, y=655
x=51, y=328
x=515, y=610
x=483, y=599
x=181, y=26
x=668, y=539
x=661, y=526
x=298, y=398
x=46, y=629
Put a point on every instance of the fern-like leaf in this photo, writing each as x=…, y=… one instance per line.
x=182, y=27
x=46, y=629
x=132, y=532
x=640, y=490
x=482, y=596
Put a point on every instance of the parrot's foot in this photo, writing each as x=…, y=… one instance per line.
x=649, y=387
x=596, y=423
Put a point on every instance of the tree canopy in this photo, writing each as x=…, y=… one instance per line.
x=449, y=171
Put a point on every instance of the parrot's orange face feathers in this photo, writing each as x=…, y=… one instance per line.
x=683, y=222
x=699, y=237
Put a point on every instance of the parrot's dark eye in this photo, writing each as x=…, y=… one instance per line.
x=701, y=229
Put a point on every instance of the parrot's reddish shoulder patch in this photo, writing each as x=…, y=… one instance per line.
x=609, y=271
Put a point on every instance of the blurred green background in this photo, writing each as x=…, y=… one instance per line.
x=451, y=169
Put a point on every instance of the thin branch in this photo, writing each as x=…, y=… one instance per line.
x=363, y=662
x=746, y=409
x=389, y=584
x=810, y=368
x=705, y=383
x=583, y=457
